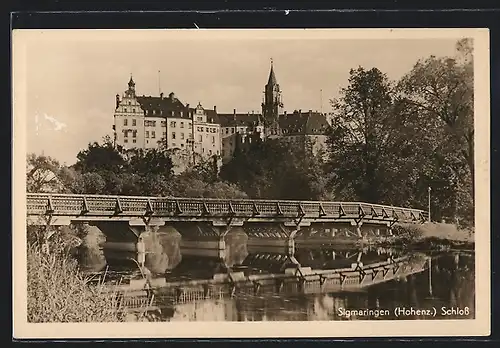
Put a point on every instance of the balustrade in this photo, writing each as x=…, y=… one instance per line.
x=74, y=205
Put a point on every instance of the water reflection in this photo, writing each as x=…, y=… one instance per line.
x=445, y=291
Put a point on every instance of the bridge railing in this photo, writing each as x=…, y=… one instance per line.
x=101, y=205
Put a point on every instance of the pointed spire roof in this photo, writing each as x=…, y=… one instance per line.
x=131, y=82
x=272, y=77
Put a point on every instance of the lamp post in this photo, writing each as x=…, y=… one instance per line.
x=429, y=203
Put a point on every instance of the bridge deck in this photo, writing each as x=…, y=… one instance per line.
x=78, y=206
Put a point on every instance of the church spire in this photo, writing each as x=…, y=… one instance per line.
x=272, y=78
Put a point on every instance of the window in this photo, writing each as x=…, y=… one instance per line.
x=199, y=119
x=213, y=139
x=125, y=109
x=174, y=144
x=133, y=109
x=134, y=134
x=134, y=141
x=206, y=129
x=153, y=134
x=232, y=130
x=173, y=135
x=125, y=141
x=209, y=152
x=125, y=122
x=134, y=123
x=147, y=134
x=182, y=145
x=182, y=136
x=227, y=130
x=125, y=133
x=163, y=123
x=201, y=138
x=172, y=123
x=129, y=102
x=182, y=123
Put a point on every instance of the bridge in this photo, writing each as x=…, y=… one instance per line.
x=147, y=229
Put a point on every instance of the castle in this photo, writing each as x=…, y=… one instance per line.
x=196, y=132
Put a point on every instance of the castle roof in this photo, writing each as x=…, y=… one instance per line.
x=303, y=123
x=239, y=119
x=162, y=106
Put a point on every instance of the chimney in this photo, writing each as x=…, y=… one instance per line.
x=234, y=111
x=300, y=111
x=161, y=95
x=310, y=112
x=215, y=108
x=285, y=113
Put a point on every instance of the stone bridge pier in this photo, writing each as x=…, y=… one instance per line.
x=277, y=238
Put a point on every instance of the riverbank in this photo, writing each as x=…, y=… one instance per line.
x=432, y=236
x=59, y=292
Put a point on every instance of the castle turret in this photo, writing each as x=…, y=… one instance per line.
x=271, y=105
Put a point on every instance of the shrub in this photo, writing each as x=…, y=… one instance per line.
x=58, y=292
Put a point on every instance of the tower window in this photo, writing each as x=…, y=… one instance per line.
x=134, y=134
x=125, y=122
x=134, y=122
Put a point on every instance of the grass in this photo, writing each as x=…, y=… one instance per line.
x=433, y=236
x=58, y=292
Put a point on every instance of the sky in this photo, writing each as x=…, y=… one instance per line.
x=72, y=77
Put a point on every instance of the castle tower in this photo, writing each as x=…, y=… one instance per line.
x=130, y=93
x=271, y=106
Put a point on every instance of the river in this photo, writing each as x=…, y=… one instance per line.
x=443, y=291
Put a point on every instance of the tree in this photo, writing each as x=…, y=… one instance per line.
x=42, y=174
x=100, y=157
x=277, y=169
x=362, y=134
x=441, y=90
x=151, y=162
